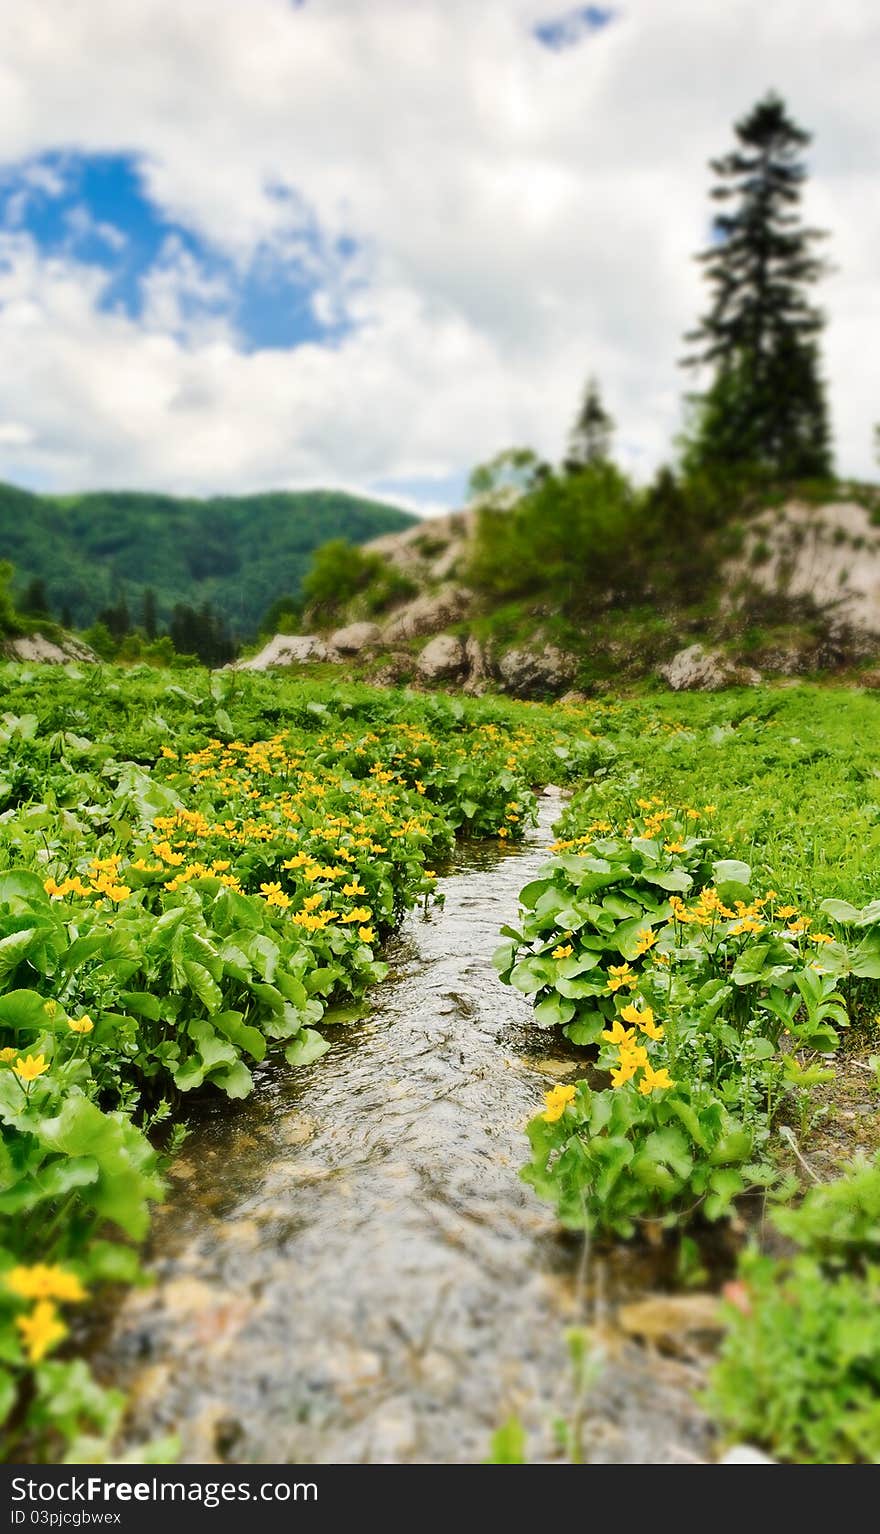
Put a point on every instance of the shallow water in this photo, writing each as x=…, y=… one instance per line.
x=348, y=1268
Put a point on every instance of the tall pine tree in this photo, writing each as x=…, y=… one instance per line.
x=590, y=439
x=764, y=411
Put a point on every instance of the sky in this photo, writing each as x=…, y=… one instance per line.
x=368, y=244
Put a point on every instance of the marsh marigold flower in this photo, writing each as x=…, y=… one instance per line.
x=82, y=1024
x=31, y=1067
x=44, y=1281
x=40, y=1330
x=557, y=1100
x=564, y=951
x=653, y=1081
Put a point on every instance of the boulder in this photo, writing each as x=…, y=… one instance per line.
x=287, y=650
x=529, y=673
x=354, y=638
x=49, y=652
x=428, y=613
x=480, y=668
x=393, y=670
x=697, y=669
x=443, y=659
x=745, y=1454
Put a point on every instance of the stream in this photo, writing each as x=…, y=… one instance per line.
x=348, y=1269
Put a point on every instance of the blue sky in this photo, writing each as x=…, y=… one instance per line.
x=94, y=209
x=370, y=246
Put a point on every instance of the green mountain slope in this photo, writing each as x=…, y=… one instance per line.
x=237, y=552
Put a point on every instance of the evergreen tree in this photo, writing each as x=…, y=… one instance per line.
x=765, y=408
x=149, y=617
x=35, y=602
x=590, y=439
x=116, y=618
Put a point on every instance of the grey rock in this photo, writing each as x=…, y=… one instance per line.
x=354, y=638
x=529, y=673
x=480, y=666
x=443, y=659
x=697, y=669
x=287, y=650
x=745, y=1454
x=49, y=652
x=428, y=613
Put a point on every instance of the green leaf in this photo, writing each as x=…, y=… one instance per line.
x=24, y=1009
x=731, y=871
x=734, y=1146
x=532, y=975
x=839, y=910
x=673, y=879
x=236, y=1080
x=306, y=1047
x=233, y=1026
x=13, y=949
x=553, y=1011
x=127, y=1180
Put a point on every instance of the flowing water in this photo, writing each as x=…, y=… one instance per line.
x=348, y=1268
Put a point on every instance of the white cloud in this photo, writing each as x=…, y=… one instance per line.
x=522, y=217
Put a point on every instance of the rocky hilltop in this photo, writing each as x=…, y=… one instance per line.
x=800, y=595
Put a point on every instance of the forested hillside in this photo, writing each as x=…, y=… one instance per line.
x=238, y=553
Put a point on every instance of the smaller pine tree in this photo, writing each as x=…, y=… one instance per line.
x=591, y=435
x=35, y=602
x=149, y=617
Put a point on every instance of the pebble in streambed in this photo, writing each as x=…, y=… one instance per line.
x=348, y=1269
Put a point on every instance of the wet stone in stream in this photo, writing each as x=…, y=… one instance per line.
x=349, y=1270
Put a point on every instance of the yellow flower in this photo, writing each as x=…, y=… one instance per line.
x=357, y=913
x=564, y=951
x=8, y=1054
x=646, y=940
x=674, y=846
x=785, y=911
x=644, y=1019
x=625, y=1071
x=653, y=1081
x=617, y=1034
x=43, y=1281
x=620, y=974
x=40, y=1330
x=557, y=1100
x=821, y=937
x=366, y=934
x=31, y=1067
x=356, y=888
x=82, y=1024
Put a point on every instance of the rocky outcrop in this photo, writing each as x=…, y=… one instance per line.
x=355, y=638
x=430, y=552
x=443, y=659
x=287, y=650
x=825, y=558
x=697, y=669
x=428, y=613
x=532, y=673
x=49, y=652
